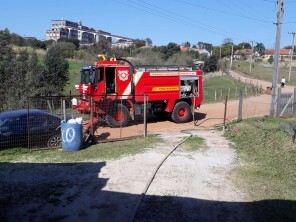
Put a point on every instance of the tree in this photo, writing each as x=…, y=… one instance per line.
x=16, y=95
x=54, y=76
x=171, y=49
x=34, y=70
x=226, y=50
x=204, y=45
x=260, y=48
x=227, y=41
x=244, y=45
x=35, y=43
x=17, y=40
x=148, y=41
x=67, y=48
x=186, y=44
x=139, y=43
x=149, y=57
x=75, y=42
x=211, y=64
x=180, y=59
x=7, y=59
x=270, y=59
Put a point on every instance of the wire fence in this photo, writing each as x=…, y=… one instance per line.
x=252, y=108
x=249, y=86
x=38, y=125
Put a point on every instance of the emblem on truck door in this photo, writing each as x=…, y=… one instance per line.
x=123, y=75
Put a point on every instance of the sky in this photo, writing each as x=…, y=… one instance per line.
x=163, y=21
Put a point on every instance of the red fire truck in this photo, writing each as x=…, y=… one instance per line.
x=114, y=90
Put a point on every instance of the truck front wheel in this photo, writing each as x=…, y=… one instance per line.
x=118, y=116
x=181, y=112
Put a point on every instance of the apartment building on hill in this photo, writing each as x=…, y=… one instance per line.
x=75, y=30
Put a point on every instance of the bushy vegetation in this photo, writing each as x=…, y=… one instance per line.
x=24, y=74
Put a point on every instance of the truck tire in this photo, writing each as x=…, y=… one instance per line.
x=181, y=112
x=118, y=116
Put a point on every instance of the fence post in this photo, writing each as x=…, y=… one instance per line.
x=215, y=95
x=225, y=111
x=279, y=102
x=28, y=135
x=64, y=110
x=294, y=103
x=145, y=116
x=193, y=108
x=91, y=116
x=240, y=105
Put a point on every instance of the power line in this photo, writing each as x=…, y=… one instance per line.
x=191, y=20
x=253, y=10
x=176, y=19
x=165, y=15
x=223, y=12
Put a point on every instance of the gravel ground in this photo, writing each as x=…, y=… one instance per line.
x=189, y=186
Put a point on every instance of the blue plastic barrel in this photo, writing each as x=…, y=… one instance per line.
x=71, y=136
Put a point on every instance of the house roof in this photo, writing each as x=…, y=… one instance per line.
x=282, y=51
x=243, y=52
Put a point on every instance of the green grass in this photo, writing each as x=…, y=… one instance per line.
x=101, y=151
x=264, y=70
x=224, y=85
x=267, y=157
x=193, y=143
x=74, y=77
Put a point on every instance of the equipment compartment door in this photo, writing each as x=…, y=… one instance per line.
x=189, y=86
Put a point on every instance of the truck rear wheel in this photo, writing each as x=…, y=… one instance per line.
x=181, y=112
x=118, y=116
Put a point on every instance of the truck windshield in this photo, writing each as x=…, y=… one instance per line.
x=87, y=76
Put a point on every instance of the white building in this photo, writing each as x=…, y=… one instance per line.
x=64, y=29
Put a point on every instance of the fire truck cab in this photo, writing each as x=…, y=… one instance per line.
x=114, y=90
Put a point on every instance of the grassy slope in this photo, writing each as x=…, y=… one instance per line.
x=268, y=164
x=265, y=70
x=74, y=76
x=223, y=83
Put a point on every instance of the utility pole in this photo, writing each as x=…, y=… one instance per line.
x=231, y=56
x=280, y=14
x=292, y=52
x=220, y=52
x=250, y=69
